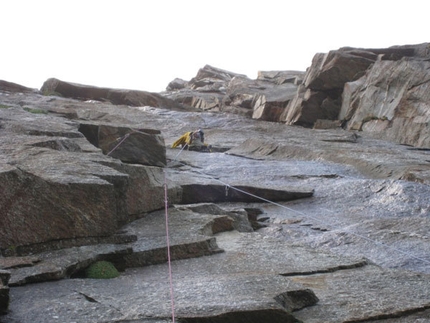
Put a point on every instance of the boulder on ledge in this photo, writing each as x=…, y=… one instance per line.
x=135, y=146
x=115, y=96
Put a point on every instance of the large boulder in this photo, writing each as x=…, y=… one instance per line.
x=136, y=146
x=54, y=86
x=55, y=186
x=176, y=84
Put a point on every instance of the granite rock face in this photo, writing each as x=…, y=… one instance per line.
x=391, y=101
x=341, y=231
x=214, y=89
x=60, y=187
x=381, y=91
x=135, y=146
x=324, y=82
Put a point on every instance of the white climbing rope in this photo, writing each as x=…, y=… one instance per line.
x=227, y=188
x=379, y=243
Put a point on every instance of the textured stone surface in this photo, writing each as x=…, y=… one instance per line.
x=273, y=101
x=391, y=101
x=382, y=91
x=4, y=291
x=320, y=95
x=370, y=201
x=135, y=146
x=60, y=264
x=17, y=262
x=115, y=96
x=332, y=70
x=238, y=193
x=281, y=77
x=45, y=197
x=358, y=295
x=50, y=174
x=215, y=89
x=13, y=87
x=190, y=235
x=247, y=279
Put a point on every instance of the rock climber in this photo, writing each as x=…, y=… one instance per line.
x=192, y=140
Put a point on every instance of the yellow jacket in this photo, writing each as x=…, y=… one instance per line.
x=185, y=139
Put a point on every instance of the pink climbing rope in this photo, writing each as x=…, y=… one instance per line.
x=166, y=205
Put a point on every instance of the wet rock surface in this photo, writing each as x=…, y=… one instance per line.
x=354, y=249
x=365, y=287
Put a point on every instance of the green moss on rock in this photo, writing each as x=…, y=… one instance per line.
x=102, y=270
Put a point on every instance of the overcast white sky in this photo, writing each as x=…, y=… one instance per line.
x=145, y=44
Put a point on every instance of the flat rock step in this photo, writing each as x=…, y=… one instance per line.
x=247, y=280
x=257, y=278
x=367, y=295
x=190, y=236
x=60, y=264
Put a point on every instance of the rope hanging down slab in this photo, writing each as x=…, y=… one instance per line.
x=169, y=261
x=227, y=188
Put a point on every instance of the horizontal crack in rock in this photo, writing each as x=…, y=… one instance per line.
x=255, y=316
x=327, y=270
